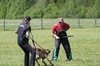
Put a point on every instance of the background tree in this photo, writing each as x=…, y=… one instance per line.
x=17, y=9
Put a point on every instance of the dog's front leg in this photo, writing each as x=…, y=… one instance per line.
x=37, y=62
x=43, y=61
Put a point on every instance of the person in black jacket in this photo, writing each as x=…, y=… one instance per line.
x=23, y=32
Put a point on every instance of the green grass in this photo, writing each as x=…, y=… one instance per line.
x=85, y=46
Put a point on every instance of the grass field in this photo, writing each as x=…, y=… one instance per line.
x=85, y=46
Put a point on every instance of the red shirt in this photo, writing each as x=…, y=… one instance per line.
x=57, y=27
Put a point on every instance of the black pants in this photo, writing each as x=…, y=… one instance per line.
x=28, y=49
x=66, y=46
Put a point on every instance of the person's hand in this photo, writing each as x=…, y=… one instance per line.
x=27, y=34
x=57, y=37
x=16, y=32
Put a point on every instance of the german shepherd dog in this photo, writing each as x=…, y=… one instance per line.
x=42, y=54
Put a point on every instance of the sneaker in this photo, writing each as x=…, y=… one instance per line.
x=70, y=60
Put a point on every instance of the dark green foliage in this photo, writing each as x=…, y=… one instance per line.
x=49, y=8
x=94, y=11
x=50, y=11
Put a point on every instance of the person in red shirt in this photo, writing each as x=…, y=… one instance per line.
x=60, y=36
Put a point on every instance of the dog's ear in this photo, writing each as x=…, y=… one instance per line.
x=48, y=50
x=38, y=49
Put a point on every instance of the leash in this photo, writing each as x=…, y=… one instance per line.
x=34, y=42
x=68, y=36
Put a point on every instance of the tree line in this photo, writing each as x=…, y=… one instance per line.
x=16, y=9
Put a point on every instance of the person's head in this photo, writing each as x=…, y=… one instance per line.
x=27, y=19
x=61, y=21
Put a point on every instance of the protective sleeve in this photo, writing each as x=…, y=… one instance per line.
x=54, y=29
x=67, y=26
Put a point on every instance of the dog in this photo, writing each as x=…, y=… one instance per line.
x=42, y=54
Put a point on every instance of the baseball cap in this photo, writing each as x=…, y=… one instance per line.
x=60, y=20
x=27, y=17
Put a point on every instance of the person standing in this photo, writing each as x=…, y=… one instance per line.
x=23, y=32
x=60, y=36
